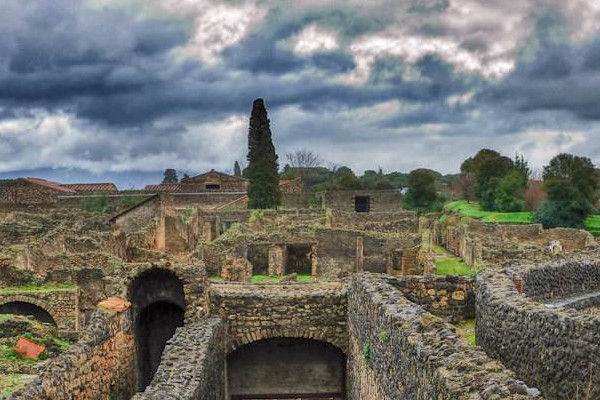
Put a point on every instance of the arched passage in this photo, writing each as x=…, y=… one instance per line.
x=25, y=308
x=158, y=309
x=286, y=368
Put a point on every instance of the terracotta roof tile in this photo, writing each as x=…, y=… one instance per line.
x=91, y=187
x=163, y=188
x=49, y=184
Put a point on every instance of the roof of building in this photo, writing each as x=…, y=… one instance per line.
x=163, y=188
x=212, y=171
x=91, y=187
x=49, y=184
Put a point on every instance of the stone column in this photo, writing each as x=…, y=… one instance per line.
x=360, y=255
x=277, y=260
x=314, y=259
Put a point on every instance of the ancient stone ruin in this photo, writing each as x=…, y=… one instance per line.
x=187, y=294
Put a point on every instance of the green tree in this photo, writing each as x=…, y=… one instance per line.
x=185, y=176
x=509, y=192
x=487, y=169
x=422, y=193
x=263, y=176
x=571, y=183
x=237, y=170
x=170, y=176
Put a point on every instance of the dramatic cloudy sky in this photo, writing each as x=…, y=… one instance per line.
x=122, y=89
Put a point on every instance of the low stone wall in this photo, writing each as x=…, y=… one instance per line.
x=552, y=348
x=445, y=296
x=61, y=304
x=561, y=279
x=192, y=365
x=99, y=367
x=297, y=310
x=399, y=351
x=344, y=200
x=387, y=222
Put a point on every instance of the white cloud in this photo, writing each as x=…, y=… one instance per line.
x=313, y=39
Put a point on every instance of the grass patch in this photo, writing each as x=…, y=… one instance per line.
x=466, y=330
x=46, y=288
x=265, y=278
x=305, y=278
x=216, y=279
x=454, y=266
x=592, y=224
x=9, y=383
x=473, y=210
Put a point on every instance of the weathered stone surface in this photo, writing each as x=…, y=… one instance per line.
x=399, y=351
x=552, y=348
x=192, y=365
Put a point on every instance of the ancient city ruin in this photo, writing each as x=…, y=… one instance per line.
x=184, y=292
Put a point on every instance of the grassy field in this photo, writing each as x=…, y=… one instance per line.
x=473, y=210
x=12, y=382
x=448, y=264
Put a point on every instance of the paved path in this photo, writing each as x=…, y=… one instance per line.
x=568, y=302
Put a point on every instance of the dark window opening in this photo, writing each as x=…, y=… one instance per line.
x=299, y=259
x=227, y=226
x=362, y=204
x=212, y=186
x=258, y=255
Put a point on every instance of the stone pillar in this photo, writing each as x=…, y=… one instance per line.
x=207, y=231
x=360, y=255
x=314, y=259
x=277, y=260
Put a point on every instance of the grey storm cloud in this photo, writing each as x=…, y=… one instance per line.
x=97, y=85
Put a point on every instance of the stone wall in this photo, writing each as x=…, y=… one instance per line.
x=399, y=351
x=552, y=348
x=99, y=367
x=487, y=243
x=445, y=296
x=139, y=216
x=297, y=310
x=386, y=222
x=339, y=252
x=21, y=192
x=343, y=200
x=61, y=304
x=192, y=365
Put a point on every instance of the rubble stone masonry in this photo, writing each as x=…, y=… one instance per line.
x=99, y=367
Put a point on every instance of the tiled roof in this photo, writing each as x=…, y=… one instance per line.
x=212, y=171
x=163, y=188
x=49, y=184
x=91, y=187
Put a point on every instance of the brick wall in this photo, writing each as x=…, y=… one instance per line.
x=343, y=200
x=17, y=191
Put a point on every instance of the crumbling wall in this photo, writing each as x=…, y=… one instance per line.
x=399, y=351
x=21, y=192
x=385, y=222
x=445, y=296
x=192, y=366
x=99, y=367
x=551, y=348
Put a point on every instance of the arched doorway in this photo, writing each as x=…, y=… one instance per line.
x=286, y=368
x=158, y=309
x=24, y=308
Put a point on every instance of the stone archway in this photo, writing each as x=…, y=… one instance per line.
x=20, y=305
x=286, y=368
x=158, y=304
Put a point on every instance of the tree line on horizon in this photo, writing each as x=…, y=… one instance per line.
x=567, y=194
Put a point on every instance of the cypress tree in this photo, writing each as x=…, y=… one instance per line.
x=237, y=171
x=263, y=168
